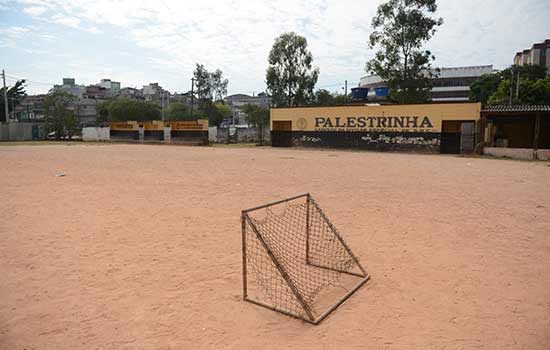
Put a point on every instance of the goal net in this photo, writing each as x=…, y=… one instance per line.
x=295, y=261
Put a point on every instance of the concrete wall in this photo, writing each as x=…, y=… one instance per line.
x=20, y=131
x=212, y=133
x=515, y=153
x=96, y=134
x=543, y=154
x=240, y=135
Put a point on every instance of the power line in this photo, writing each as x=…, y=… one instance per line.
x=28, y=81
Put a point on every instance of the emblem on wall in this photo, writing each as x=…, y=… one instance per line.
x=301, y=123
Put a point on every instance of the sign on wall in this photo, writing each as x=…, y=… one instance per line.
x=387, y=118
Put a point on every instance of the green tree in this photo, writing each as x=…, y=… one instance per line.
x=70, y=122
x=291, y=76
x=401, y=27
x=16, y=94
x=495, y=88
x=217, y=112
x=484, y=87
x=340, y=99
x=59, y=115
x=102, y=112
x=324, y=98
x=257, y=117
x=210, y=86
x=178, y=111
x=531, y=91
x=124, y=109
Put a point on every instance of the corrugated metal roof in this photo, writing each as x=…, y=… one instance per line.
x=516, y=108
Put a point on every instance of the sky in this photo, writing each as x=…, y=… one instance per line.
x=141, y=41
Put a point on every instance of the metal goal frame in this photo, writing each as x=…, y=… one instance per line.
x=308, y=316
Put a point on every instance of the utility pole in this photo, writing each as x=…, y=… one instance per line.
x=346, y=92
x=517, y=88
x=162, y=105
x=6, y=109
x=192, y=96
x=511, y=86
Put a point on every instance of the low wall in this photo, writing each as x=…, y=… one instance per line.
x=240, y=135
x=424, y=142
x=96, y=133
x=543, y=154
x=212, y=133
x=514, y=153
x=21, y=131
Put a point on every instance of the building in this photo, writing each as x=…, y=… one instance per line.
x=538, y=54
x=31, y=108
x=96, y=92
x=152, y=92
x=237, y=101
x=184, y=97
x=69, y=85
x=86, y=111
x=113, y=87
x=516, y=131
x=131, y=93
x=430, y=128
x=448, y=85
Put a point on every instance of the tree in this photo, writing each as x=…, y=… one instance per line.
x=290, y=76
x=16, y=94
x=178, y=111
x=59, y=115
x=324, y=98
x=210, y=86
x=218, y=85
x=217, y=112
x=484, y=87
x=102, y=112
x=202, y=83
x=257, y=117
x=124, y=109
x=531, y=91
x=497, y=85
x=70, y=122
x=401, y=27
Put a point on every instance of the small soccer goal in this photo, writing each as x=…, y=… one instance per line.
x=295, y=261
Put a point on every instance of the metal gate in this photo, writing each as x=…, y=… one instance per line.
x=467, y=137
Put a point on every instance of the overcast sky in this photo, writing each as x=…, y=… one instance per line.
x=137, y=42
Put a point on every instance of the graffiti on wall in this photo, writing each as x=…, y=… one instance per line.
x=402, y=140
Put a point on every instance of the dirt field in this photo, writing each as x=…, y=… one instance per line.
x=139, y=247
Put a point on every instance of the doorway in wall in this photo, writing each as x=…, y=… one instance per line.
x=457, y=136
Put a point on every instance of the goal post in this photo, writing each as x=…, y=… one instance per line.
x=295, y=261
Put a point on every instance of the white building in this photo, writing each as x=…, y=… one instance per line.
x=153, y=91
x=112, y=86
x=449, y=85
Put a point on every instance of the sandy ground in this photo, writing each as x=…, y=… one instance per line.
x=139, y=247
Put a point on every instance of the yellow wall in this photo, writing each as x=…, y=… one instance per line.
x=152, y=125
x=124, y=126
x=200, y=124
x=401, y=118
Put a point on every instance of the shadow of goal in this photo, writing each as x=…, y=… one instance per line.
x=295, y=261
